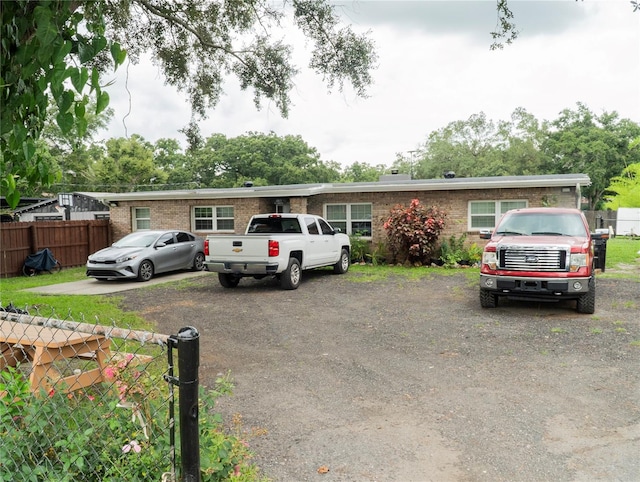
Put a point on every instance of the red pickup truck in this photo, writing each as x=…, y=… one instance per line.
x=539, y=253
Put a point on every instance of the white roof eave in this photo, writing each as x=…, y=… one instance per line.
x=455, y=184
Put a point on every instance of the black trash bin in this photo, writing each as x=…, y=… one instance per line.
x=599, y=249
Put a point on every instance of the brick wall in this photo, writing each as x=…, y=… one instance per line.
x=174, y=213
x=454, y=203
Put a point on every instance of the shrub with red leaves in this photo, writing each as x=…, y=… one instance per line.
x=413, y=232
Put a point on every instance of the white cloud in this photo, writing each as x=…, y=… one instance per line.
x=428, y=77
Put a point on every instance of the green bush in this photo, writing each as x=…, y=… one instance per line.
x=453, y=252
x=359, y=248
x=85, y=436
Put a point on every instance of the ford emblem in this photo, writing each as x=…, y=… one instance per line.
x=531, y=259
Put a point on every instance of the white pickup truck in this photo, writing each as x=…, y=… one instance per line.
x=281, y=245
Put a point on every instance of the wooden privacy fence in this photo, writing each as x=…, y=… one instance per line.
x=70, y=241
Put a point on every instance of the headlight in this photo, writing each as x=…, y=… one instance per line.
x=489, y=258
x=122, y=259
x=577, y=261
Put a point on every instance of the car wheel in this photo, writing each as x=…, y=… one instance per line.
x=145, y=271
x=198, y=262
x=290, y=279
x=488, y=299
x=228, y=280
x=587, y=302
x=342, y=266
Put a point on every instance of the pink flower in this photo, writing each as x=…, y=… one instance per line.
x=110, y=372
x=133, y=445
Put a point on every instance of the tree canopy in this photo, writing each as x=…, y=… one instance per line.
x=578, y=141
x=54, y=50
x=624, y=190
x=61, y=49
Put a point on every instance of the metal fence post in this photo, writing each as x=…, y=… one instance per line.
x=188, y=363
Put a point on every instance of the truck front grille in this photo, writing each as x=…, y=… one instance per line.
x=519, y=258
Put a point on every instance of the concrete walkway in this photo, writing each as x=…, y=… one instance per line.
x=91, y=286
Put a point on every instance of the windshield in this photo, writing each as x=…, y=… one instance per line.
x=543, y=224
x=136, y=240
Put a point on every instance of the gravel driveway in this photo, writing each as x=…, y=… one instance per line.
x=410, y=380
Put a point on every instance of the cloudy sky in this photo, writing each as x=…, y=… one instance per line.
x=435, y=67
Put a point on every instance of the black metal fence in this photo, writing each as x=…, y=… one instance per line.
x=84, y=402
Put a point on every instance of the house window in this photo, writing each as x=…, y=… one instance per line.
x=213, y=218
x=350, y=218
x=141, y=219
x=486, y=214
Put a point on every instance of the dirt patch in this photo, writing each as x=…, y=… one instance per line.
x=401, y=380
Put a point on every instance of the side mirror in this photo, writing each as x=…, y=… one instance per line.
x=485, y=234
x=160, y=245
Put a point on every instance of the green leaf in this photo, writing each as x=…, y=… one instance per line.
x=61, y=51
x=85, y=50
x=98, y=44
x=19, y=133
x=81, y=126
x=118, y=54
x=46, y=31
x=45, y=53
x=102, y=102
x=95, y=80
x=80, y=109
x=65, y=122
x=29, y=149
x=65, y=101
x=79, y=78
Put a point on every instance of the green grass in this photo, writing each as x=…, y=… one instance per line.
x=368, y=273
x=81, y=308
x=623, y=260
x=623, y=250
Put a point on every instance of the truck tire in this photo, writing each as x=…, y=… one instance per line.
x=228, y=280
x=587, y=302
x=290, y=277
x=342, y=266
x=488, y=299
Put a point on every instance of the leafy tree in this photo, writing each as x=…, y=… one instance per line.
x=73, y=154
x=128, y=166
x=49, y=49
x=362, y=172
x=581, y=142
x=469, y=148
x=264, y=159
x=625, y=189
x=196, y=43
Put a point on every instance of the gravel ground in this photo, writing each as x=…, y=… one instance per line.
x=410, y=380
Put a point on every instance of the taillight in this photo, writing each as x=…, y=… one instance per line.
x=206, y=247
x=274, y=248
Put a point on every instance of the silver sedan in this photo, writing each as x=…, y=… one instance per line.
x=142, y=254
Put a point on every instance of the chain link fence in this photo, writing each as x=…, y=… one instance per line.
x=85, y=402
